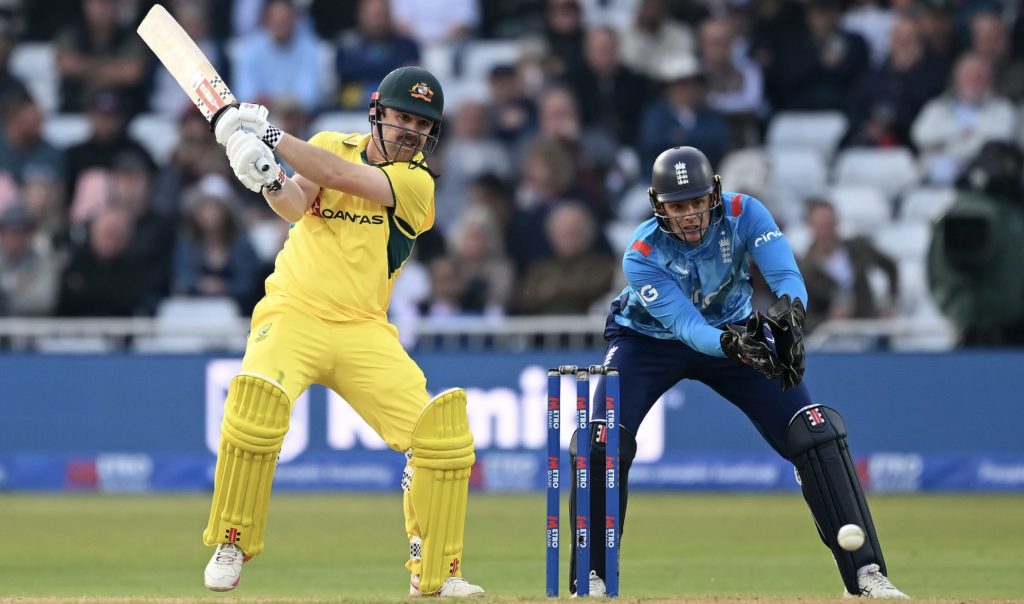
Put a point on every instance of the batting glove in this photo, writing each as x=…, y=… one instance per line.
x=248, y=117
x=254, y=163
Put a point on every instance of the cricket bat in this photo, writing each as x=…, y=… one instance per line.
x=190, y=68
x=183, y=59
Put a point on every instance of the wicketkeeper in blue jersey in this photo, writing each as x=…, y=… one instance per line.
x=686, y=314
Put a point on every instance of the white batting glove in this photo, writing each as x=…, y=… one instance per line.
x=254, y=163
x=248, y=117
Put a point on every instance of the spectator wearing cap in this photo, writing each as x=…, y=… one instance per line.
x=100, y=53
x=213, y=255
x=21, y=141
x=107, y=121
x=818, y=66
x=28, y=274
x=103, y=279
x=682, y=117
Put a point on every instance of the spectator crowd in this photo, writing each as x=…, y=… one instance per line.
x=114, y=195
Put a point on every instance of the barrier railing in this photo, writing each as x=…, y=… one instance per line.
x=143, y=334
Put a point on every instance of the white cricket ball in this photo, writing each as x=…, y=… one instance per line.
x=851, y=537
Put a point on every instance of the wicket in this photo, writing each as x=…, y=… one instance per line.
x=582, y=530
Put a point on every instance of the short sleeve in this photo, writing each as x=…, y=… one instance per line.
x=413, y=190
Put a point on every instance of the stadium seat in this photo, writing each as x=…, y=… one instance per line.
x=478, y=57
x=746, y=170
x=634, y=204
x=341, y=121
x=925, y=204
x=620, y=233
x=861, y=210
x=799, y=237
x=796, y=174
x=179, y=318
x=157, y=132
x=35, y=63
x=817, y=130
x=891, y=170
x=63, y=130
x=903, y=240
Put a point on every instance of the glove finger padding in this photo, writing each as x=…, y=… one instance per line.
x=751, y=348
x=785, y=320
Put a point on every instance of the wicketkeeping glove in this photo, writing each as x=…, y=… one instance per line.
x=254, y=163
x=248, y=117
x=786, y=321
x=750, y=347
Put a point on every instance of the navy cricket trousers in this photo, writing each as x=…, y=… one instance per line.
x=648, y=367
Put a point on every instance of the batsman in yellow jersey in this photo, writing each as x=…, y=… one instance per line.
x=358, y=202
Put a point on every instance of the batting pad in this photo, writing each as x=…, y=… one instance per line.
x=256, y=418
x=442, y=457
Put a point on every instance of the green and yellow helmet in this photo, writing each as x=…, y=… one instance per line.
x=412, y=90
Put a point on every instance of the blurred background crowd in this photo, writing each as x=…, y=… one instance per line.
x=883, y=135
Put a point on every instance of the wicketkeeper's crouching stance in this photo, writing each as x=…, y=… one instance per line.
x=358, y=202
x=686, y=314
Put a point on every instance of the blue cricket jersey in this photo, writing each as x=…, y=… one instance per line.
x=685, y=292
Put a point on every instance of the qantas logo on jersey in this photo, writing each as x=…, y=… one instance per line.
x=330, y=214
x=767, y=236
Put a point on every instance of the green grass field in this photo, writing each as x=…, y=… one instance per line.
x=352, y=548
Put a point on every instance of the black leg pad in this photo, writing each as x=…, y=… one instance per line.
x=816, y=444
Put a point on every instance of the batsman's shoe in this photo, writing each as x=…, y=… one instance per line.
x=873, y=584
x=597, y=587
x=224, y=570
x=453, y=587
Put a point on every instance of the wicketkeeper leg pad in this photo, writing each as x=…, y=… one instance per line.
x=442, y=457
x=816, y=444
x=627, y=452
x=256, y=416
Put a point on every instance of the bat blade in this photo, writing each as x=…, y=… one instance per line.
x=183, y=60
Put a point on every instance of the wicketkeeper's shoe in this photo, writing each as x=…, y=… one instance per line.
x=224, y=570
x=873, y=584
x=453, y=587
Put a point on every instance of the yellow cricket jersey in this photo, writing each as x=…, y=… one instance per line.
x=342, y=258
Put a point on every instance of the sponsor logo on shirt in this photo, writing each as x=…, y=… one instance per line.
x=767, y=236
x=648, y=293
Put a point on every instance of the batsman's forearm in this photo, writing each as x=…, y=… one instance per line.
x=289, y=203
x=329, y=171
